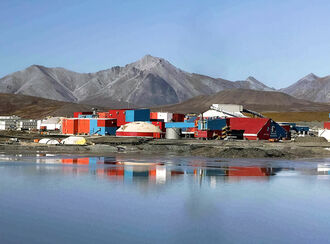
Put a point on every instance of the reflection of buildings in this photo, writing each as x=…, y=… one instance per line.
x=323, y=169
x=160, y=173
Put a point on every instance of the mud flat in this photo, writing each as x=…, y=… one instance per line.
x=308, y=147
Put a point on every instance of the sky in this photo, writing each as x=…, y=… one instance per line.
x=276, y=41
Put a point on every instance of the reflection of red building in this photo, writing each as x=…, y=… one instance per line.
x=247, y=171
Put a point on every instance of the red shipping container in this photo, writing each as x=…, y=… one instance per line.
x=76, y=114
x=107, y=123
x=70, y=126
x=178, y=118
x=118, y=114
x=153, y=115
x=83, y=126
x=103, y=115
x=208, y=134
x=327, y=125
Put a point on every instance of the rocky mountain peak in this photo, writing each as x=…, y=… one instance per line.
x=148, y=62
x=310, y=77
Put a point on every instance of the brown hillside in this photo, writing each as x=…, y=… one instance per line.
x=261, y=101
x=35, y=107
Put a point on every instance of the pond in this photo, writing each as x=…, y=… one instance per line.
x=162, y=199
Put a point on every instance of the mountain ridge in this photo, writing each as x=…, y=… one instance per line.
x=150, y=81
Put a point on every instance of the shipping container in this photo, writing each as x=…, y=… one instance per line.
x=118, y=114
x=178, y=118
x=101, y=130
x=207, y=134
x=180, y=125
x=107, y=123
x=153, y=115
x=212, y=124
x=83, y=126
x=327, y=125
x=137, y=115
x=86, y=116
x=76, y=114
x=70, y=126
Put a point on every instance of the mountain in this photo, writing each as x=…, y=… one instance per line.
x=311, y=87
x=261, y=101
x=150, y=81
x=253, y=84
x=37, y=108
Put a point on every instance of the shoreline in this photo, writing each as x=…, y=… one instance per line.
x=309, y=147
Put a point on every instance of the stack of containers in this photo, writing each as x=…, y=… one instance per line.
x=70, y=126
x=119, y=115
x=83, y=126
x=103, y=127
x=178, y=117
x=137, y=115
x=209, y=128
x=76, y=114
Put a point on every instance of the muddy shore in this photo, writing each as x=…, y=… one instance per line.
x=307, y=147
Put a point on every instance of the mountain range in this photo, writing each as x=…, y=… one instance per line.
x=150, y=81
x=311, y=87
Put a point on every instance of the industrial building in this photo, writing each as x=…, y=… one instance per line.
x=221, y=121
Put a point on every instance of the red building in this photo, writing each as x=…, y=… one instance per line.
x=254, y=128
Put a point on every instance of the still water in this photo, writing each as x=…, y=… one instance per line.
x=154, y=199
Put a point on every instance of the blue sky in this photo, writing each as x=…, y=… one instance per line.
x=277, y=41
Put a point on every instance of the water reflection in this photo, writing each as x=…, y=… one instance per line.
x=125, y=199
x=159, y=172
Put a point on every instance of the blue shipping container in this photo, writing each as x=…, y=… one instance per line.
x=179, y=125
x=83, y=116
x=94, y=129
x=137, y=115
x=212, y=124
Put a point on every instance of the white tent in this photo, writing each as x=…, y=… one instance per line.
x=74, y=140
x=324, y=133
x=48, y=141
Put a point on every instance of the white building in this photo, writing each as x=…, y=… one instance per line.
x=9, y=122
x=53, y=123
x=27, y=124
x=224, y=111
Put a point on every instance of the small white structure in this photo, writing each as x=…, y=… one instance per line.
x=224, y=111
x=53, y=123
x=48, y=141
x=324, y=133
x=167, y=117
x=74, y=140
